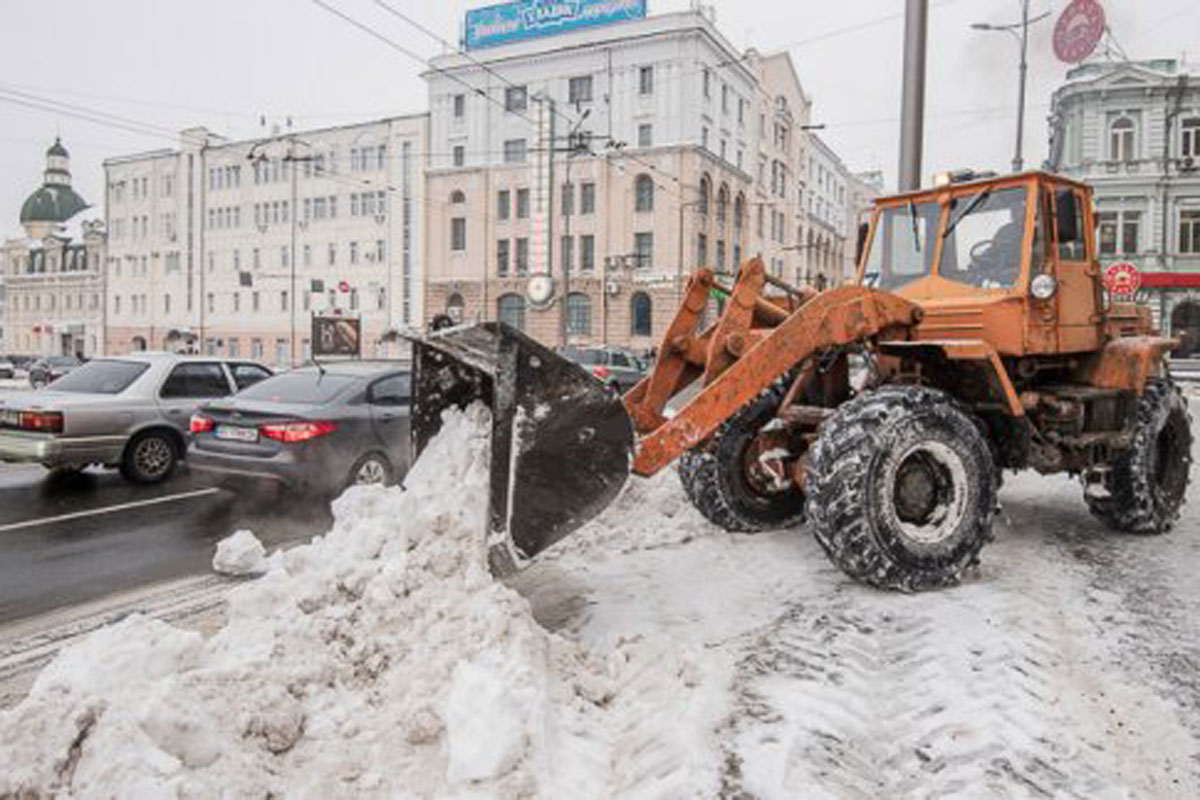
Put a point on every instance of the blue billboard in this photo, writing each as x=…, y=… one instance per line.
x=527, y=19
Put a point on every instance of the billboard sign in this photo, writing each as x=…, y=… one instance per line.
x=336, y=336
x=505, y=23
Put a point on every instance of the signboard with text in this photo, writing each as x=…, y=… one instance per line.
x=1122, y=278
x=336, y=336
x=1078, y=30
x=526, y=19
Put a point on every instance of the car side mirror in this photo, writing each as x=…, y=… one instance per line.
x=863, y=229
x=1066, y=212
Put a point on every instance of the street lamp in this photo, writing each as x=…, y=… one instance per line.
x=1023, y=41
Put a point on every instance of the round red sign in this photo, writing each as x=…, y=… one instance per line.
x=343, y=286
x=1078, y=30
x=1122, y=278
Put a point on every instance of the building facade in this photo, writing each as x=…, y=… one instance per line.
x=53, y=279
x=1132, y=130
x=630, y=154
x=231, y=247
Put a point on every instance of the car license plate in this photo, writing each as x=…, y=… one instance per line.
x=237, y=433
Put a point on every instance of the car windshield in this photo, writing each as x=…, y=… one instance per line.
x=587, y=357
x=984, y=239
x=103, y=376
x=61, y=361
x=902, y=248
x=299, y=388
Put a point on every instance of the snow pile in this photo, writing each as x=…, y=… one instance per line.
x=379, y=660
x=240, y=554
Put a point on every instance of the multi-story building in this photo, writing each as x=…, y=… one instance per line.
x=53, y=287
x=1132, y=130
x=828, y=216
x=232, y=247
x=631, y=152
x=861, y=190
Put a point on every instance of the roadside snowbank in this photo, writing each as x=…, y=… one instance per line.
x=379, y=660
x=239, y=554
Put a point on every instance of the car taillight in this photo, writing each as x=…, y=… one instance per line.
x=600, y=371
x=289, y=432
x=44, y=421
x=202, y=424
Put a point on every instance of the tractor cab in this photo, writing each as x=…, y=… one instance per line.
x=1002, y=259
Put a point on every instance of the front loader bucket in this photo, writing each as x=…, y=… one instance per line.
x=561, y=442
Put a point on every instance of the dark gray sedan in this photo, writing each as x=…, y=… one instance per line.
x=314, y=429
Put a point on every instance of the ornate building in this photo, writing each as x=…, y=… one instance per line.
x=53, y=283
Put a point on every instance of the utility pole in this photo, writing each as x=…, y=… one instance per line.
x=1022, y=38
x=912, y=108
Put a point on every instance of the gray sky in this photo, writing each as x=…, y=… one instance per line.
x=157, y=63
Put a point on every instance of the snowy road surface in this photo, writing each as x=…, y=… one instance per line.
x=687, y=663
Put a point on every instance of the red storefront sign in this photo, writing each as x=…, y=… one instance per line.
x=1171, y=280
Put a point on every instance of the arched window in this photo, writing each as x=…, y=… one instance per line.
x=454, y=307
x=1122, y=136
x=139, y=344
x=579, y=314
x=722, y=204
x=510, y=309
x=705, y=194
x=641, y=311
x=457, y=196
x=643, y=187
x=739, y=212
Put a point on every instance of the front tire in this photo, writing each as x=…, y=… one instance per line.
x=1146, y=485
x=902, y=489
x=714, y=476
x=150, y=457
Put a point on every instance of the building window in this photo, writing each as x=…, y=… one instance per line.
x=460, y=155
x=643, y=250
x=579, y=314
x=1189, y=138
x=705, y=194
x=722, y=205
x=514, y=151
x=645, y=80
x=510, y=309
x=701, y=250
x=739, y=212
x=515, y=99
x=458, y=234
x=587, y=252
x=568, y=199
x=1121, y=140
x=579, y=89
x=704, y=137
x=354, y=252
x=707, y=82
x=725, y=98
x=587, y=198
x=503, y=204
x=457, y=197
x=1118, y=232
x=720, y=265
x=645, y=134
x=522, y=203
x=332, y=254
x=640, y=313
x=502, y=257
x=567, y=252
x=460, y=106
x=643, y=190
x=1189, y=230
x=522, y=256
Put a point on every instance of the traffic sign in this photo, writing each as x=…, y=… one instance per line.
x=1078, y=30
x=1122, y=278
x=343, y=286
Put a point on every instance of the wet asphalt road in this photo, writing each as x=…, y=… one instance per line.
x=68, y=540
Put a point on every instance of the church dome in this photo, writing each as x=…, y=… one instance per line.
x=51, y=203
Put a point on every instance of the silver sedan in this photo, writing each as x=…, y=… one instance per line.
x=130, y=412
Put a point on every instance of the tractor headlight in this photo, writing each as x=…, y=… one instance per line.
x=1043, y=287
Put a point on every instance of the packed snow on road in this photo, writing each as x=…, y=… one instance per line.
x=648, y=655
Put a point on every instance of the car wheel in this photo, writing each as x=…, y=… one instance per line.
x=373, y=469
x=150, y=457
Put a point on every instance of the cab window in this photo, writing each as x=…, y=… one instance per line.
x=984, y=238
x=902, y=249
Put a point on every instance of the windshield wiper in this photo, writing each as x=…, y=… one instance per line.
x=974, y=204
x=912, y=216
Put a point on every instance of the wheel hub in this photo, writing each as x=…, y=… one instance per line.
x=929, y=492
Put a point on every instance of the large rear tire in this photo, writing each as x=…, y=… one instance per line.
x=1145, y=487
x=714, y=477
x=902, y=489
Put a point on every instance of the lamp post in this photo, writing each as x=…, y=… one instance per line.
x=1023, y=42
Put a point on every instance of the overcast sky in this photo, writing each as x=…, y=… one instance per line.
x=152, y=67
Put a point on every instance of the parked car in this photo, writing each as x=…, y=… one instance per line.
x=46, y=370
x=316, y=429
x=617, y=369
x=8, y=369
x=130, y=412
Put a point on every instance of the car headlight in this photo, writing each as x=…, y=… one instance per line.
x=1043, y=287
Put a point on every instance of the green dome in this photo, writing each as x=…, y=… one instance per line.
x=52, y=204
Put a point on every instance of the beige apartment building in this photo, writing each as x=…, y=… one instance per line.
x=631, y=153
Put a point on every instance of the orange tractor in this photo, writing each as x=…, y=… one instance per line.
x=977, y=338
